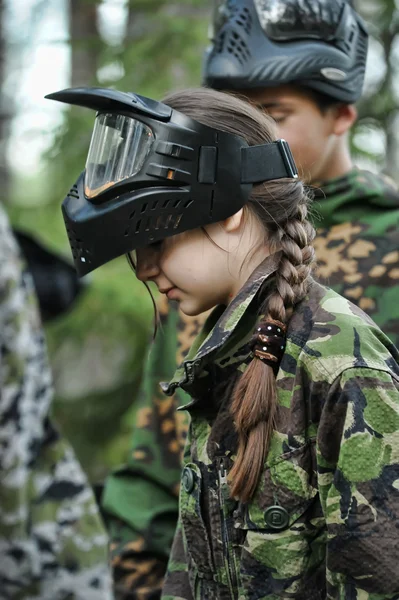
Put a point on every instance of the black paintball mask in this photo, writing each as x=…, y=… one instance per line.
x=153, y=172
x=318, y=44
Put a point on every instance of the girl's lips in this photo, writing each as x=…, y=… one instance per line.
x=171, y=293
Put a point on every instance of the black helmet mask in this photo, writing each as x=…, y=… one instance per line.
x=153, y=172
x=318, y=44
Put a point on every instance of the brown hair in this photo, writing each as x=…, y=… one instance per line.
x=281, y=206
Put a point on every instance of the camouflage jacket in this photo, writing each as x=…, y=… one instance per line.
x=357, y=220
x=53, y=545
x=323, y=523
x=357, y=244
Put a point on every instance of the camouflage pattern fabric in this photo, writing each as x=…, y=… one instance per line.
x=357, y=220
x=357, y=244
x=53, y=545
x=323, y=521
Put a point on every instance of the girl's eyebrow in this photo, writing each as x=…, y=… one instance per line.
x=264, y=105
x=270, y=105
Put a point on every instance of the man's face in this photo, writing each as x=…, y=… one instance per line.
x=310, y=132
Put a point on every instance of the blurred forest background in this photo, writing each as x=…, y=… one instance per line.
x=147, y=46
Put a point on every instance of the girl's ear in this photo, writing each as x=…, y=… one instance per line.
x=232, y=224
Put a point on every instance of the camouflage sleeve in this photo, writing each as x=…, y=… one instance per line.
x=52, y=542
x=358, y=473
x=140, y=500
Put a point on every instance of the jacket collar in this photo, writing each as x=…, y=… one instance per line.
x=220, y=326
x=353, y=197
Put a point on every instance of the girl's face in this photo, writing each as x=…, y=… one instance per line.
x=204, y=268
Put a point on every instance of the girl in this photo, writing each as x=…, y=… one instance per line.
x=290, y=480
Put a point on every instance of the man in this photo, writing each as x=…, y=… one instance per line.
x=53, y=545
x=304, y=64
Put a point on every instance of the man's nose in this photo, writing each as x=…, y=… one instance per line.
x=147, y=264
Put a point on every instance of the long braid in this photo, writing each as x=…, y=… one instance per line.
x=292, y=276
x=254, y=404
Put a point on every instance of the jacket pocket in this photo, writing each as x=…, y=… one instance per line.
x=283, y=551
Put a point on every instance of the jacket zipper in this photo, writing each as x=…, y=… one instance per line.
x=229, y=559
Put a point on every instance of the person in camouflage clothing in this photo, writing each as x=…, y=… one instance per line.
x=322, y=523
x=356, y=214
x=290, y=479
x=53, y=545
x=289, y=493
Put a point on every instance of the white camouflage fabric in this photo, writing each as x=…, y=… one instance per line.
x=53, y=545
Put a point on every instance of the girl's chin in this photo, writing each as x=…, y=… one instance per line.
x=192, y=308
x=188, y=310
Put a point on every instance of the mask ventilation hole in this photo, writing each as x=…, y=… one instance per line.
x=162, y=220
x=347, y=43
x=244, y=19
x=177, y=221
x=237, y=47
x=73, y=192
x=229, y=38
x=172, y=221
x=79, y=252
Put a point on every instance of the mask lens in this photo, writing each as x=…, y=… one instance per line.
x=118, y=149
x=286, y=20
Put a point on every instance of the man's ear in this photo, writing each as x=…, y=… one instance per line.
x=232, y=224
x=344, y=118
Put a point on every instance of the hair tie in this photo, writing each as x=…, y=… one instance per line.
x=269, y=342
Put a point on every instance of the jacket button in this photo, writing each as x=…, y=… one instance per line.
x=188, y=479
x=277, y=517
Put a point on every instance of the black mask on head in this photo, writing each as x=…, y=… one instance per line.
x=153, y=172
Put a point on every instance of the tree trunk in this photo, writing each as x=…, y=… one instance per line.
x=85, y=41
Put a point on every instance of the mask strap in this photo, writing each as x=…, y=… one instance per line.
x=267, y=162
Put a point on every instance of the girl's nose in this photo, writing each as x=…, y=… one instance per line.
x=147, y=264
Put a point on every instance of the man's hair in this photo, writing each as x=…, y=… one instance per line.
x=323, y=101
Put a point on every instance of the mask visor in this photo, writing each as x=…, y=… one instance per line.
x=286, y=20
x=118, y=149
